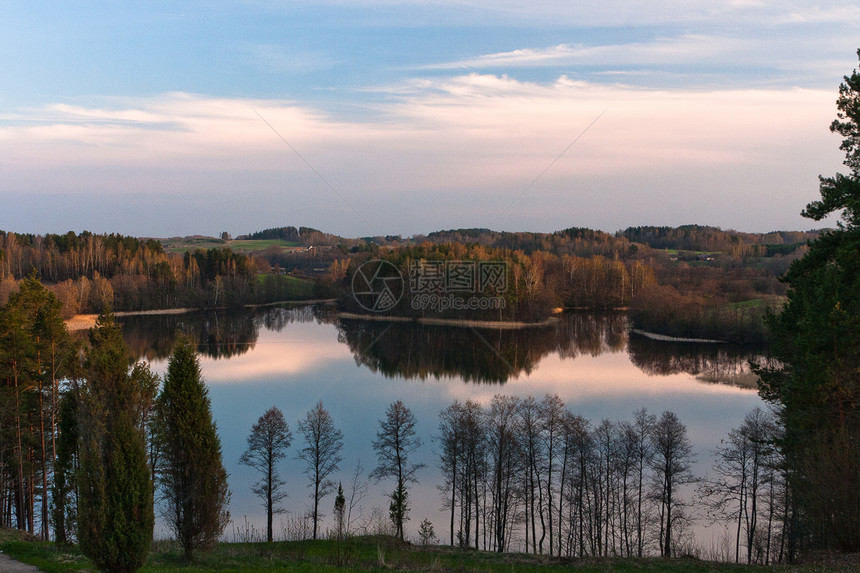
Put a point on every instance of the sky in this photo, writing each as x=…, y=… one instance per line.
x=375, y=117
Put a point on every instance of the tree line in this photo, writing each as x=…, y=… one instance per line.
x=90, y=442
x=528, y=475
x=573, y=268
x=87, y=271
x=534, y=284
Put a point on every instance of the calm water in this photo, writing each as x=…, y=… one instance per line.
x=291, y=358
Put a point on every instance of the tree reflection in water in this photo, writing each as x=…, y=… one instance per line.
x=413, y=350
x=489, y=355
x=711, y=363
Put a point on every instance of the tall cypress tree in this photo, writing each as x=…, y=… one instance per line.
x=191, y=472
x=115, y=514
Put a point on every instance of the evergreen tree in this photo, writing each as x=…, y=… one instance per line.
x=63, y=491
x=17, y=365
x=339, y=511
x=115, y=515
x=191, y=473
x=816, y=344
x=33, y=344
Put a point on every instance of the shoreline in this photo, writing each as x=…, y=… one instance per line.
x=665, y=338
x=500, y=324
x=87, y=321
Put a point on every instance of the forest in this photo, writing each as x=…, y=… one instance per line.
x=692, y=281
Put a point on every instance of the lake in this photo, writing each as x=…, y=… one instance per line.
x=293, y=357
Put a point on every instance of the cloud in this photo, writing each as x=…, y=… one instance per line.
x=835, y=14
x=685, y=49
x=444, y=152
x=787, y=56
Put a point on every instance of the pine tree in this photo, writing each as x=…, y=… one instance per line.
x=115, y=515
x=339, y=511
x=63, y=490
x=816, y=346
x=191, y=473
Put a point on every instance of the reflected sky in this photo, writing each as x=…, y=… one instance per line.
x=292, y=365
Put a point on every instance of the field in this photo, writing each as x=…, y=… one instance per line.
x=290, y=287
x=186, y=244
x=370, y=554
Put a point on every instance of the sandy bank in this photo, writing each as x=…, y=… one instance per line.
x=87, y=321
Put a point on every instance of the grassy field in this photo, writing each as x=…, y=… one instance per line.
x=371, y=554
x=176, y=245
x=290, y=287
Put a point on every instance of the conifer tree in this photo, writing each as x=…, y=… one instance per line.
x=191, y=473
x=815, y=377
x=115, y=514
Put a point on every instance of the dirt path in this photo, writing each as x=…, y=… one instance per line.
x=9, y=565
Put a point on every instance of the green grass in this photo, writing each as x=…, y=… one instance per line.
x=182, y=246
x=369, y=554
x=259, y=245
x=288, y=286
x=46, y=556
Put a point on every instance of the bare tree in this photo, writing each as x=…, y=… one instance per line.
x=473, y=463
x=395, y=440
x=639, y=434
x=743, y=468
x=451, y=444
x=552, y=411
x=357, y=492
x=535, y=460
x=673, y=458
x=321, y=454
x=504, y=446
x=267, y=442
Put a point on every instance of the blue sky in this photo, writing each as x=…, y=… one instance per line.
x=363, y=118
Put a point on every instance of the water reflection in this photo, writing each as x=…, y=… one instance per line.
x=489, y=355
x=217, y=334
x=294, y=357
x=412, y=350
x=711, y=363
